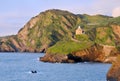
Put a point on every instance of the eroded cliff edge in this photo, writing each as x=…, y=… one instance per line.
x=95, y=53
x=114, y=72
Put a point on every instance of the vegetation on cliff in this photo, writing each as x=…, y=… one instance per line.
x=105, y=36
x=67, y=47
x=55, y=30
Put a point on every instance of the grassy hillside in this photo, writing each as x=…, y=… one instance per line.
x=48, y=28
x=51, y=27
x=67, y=47
x=105, y=36
x=96, y=30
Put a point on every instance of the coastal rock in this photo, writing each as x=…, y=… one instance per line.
x=54, y=58
x=114, y=72
x=96, y=53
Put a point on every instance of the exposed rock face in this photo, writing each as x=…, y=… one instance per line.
x=60, y=58
x=54, y=58
x=96, y=53
x=114, y=72
x=116, y=30
x=41, y=32
x=9, y=45
x=13, y=44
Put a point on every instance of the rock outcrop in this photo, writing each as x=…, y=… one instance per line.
x=96, y=53
x=114, y=72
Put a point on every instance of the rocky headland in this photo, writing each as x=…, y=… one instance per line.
x=95, y=53
x=69, y=38
x=114, y=72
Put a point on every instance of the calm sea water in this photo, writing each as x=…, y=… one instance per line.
x=18, y=66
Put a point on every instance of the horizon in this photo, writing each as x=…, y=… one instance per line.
x=15, y=14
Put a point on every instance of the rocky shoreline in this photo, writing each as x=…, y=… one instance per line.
x=114, y=72
x=55, y=31
x=96, y=53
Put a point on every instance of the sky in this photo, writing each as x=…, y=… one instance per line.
x=14, y=14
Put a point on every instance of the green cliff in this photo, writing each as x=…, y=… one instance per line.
x=42, y=31
x=53, y=32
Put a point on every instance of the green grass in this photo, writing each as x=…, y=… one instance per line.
x=66, y=47
x=82, y=37
x=104, y=35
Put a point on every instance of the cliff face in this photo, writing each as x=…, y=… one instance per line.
x=114, y=72
x=10, y=44
x=41, y=32
x=95, y=53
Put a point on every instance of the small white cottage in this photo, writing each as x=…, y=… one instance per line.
x=79, y=31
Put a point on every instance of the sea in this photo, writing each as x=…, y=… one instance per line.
x=18, y=67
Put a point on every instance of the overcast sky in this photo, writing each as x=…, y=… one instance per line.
x=15, y=13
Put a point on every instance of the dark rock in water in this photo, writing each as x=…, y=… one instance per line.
x=33, y=71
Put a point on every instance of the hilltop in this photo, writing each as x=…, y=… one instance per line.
x=41, y=32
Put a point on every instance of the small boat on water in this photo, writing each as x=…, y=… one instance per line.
x=34, y=71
